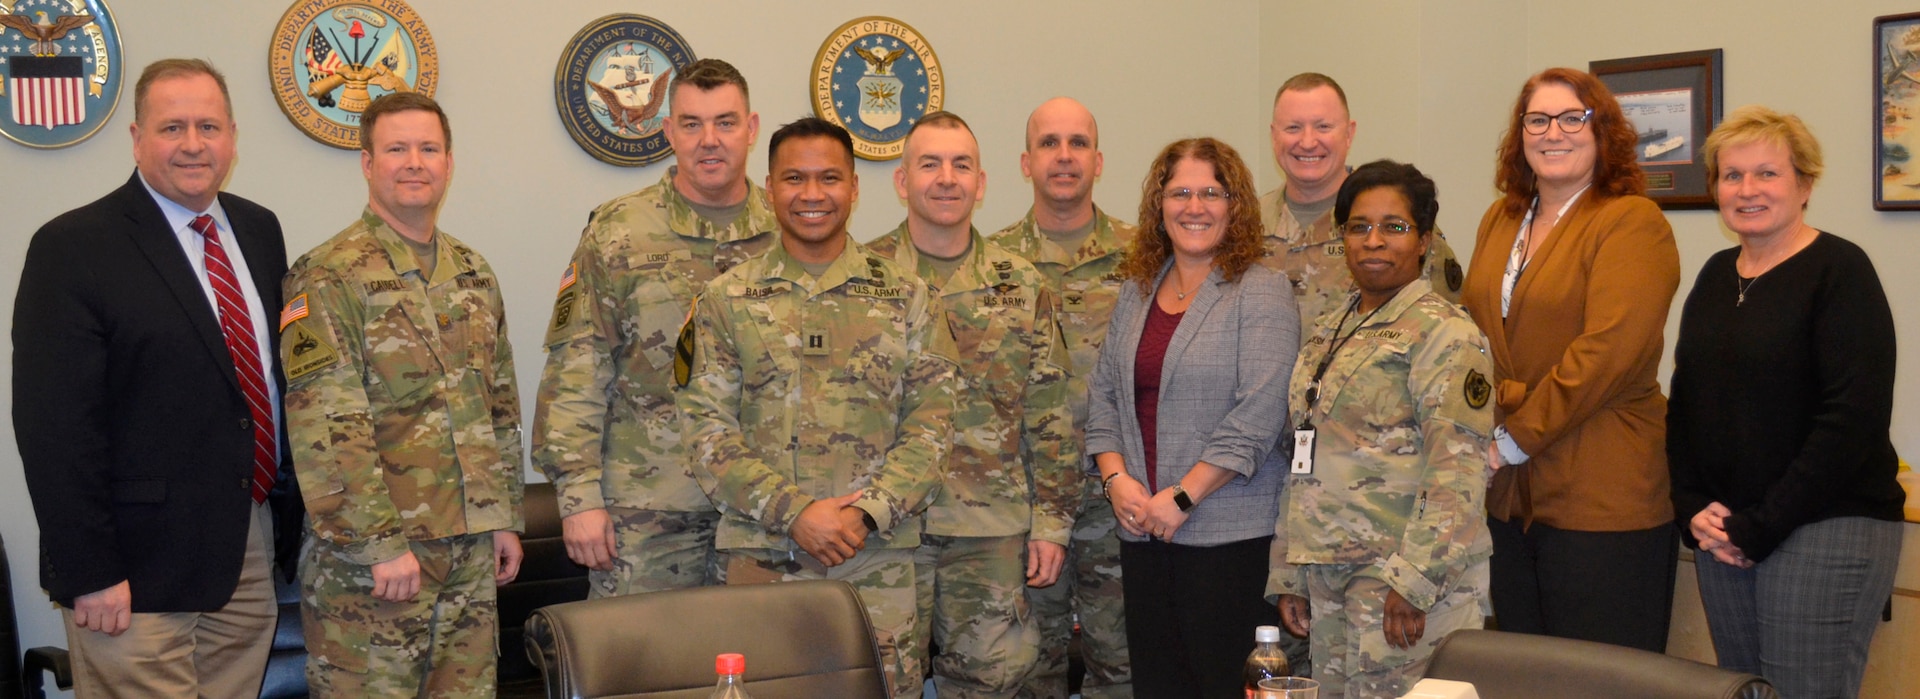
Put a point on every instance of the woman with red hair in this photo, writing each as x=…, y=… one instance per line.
x=1573, y=273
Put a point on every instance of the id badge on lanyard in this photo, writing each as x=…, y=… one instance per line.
x=1303, y=449
x=1303, y=435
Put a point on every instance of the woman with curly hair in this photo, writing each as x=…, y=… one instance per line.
x=1186, y=409
x=1573, y=273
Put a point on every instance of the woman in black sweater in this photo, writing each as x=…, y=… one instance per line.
x=1777, y=431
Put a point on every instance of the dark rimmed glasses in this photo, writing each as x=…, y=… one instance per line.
x=1571, y=121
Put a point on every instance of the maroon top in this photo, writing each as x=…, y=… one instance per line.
x=1147, y=361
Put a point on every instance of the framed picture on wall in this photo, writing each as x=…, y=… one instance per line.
x=1674, y=101
x=1896, y=136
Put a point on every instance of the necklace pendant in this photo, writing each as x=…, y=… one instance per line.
x=1742, y=300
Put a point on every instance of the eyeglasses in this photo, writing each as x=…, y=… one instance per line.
x=1388, y=229
x=1571, y=121
x=1210, y=195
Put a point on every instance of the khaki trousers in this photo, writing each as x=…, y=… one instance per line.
x=186, y=655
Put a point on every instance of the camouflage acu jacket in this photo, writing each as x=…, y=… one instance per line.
x=1085, y=284
x=605, y=430
x=401, y=405
x=1015, y=465
x=1314, y=258
x=804, y=388
x=1399, y=477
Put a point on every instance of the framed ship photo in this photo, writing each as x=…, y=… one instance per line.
x=1674, y=101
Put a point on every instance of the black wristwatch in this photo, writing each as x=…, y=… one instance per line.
x=1181, y=499
x=867, y=518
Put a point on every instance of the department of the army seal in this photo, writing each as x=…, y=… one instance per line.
x=611, y=87
x=330, y=58
x=59, y=70
x=876, y=76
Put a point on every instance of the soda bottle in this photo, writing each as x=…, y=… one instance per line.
x=730, y=667
x=1266, y=660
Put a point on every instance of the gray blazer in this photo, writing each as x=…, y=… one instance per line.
x=1223, y=399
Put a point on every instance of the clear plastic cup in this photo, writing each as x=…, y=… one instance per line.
x=1288, y=688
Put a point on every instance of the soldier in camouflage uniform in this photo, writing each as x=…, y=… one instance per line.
x=1312, y=132
x=604, y=428
x=1011, y=485
x=1382, y=547
x=819, y=397
x=1078, y=248
x=404, y=421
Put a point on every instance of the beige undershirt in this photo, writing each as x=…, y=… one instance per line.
x=423, y=253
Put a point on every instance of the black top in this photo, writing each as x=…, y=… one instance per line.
x=1782, y=402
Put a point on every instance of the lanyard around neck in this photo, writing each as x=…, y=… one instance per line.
x=1334, y=343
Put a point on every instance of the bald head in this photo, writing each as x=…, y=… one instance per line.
x=1063, y=153
x=1062, y=114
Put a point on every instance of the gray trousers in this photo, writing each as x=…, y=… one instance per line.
x=1803, y=618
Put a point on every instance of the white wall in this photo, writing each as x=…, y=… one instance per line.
x=1430, y=82
x=522, y=189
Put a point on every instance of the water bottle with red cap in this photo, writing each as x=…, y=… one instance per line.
x=730, y=667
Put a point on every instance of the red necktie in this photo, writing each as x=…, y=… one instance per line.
x=237, y=325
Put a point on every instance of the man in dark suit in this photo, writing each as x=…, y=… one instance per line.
x=145, y=398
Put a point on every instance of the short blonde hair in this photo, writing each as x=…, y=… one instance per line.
x=1757, y=124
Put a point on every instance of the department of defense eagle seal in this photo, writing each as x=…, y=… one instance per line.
x=611, y=87
x=876, y=76
x=330, y=58
x=59, y=70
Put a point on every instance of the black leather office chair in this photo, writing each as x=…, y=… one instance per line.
x=803, y=640
x=1523, y=666
x=28, y=679
x=547, y=576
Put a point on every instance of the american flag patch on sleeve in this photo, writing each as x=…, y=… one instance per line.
x=295, y=310
x=566, y=280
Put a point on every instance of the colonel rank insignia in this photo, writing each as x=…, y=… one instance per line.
x=611, y=87
x=59, y=70
x=876, y=76
x=329, y=59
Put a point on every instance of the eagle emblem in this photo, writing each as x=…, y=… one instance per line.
x=59, y=72
x=45, y=32
x=876, y=76
x=613, y=87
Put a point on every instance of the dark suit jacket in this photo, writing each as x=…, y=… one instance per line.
x=136, y=439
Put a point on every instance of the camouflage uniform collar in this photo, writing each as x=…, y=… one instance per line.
x=779, y=265
x=757, y=219
x=446, y=266
x=1099, y=244
x=972, y=274
x=1396, y=306
x=1289, y=228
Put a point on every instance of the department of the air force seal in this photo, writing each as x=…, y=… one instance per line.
x=611, y=87
x=59, y=70
x=330, y=58
x=876, y=76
